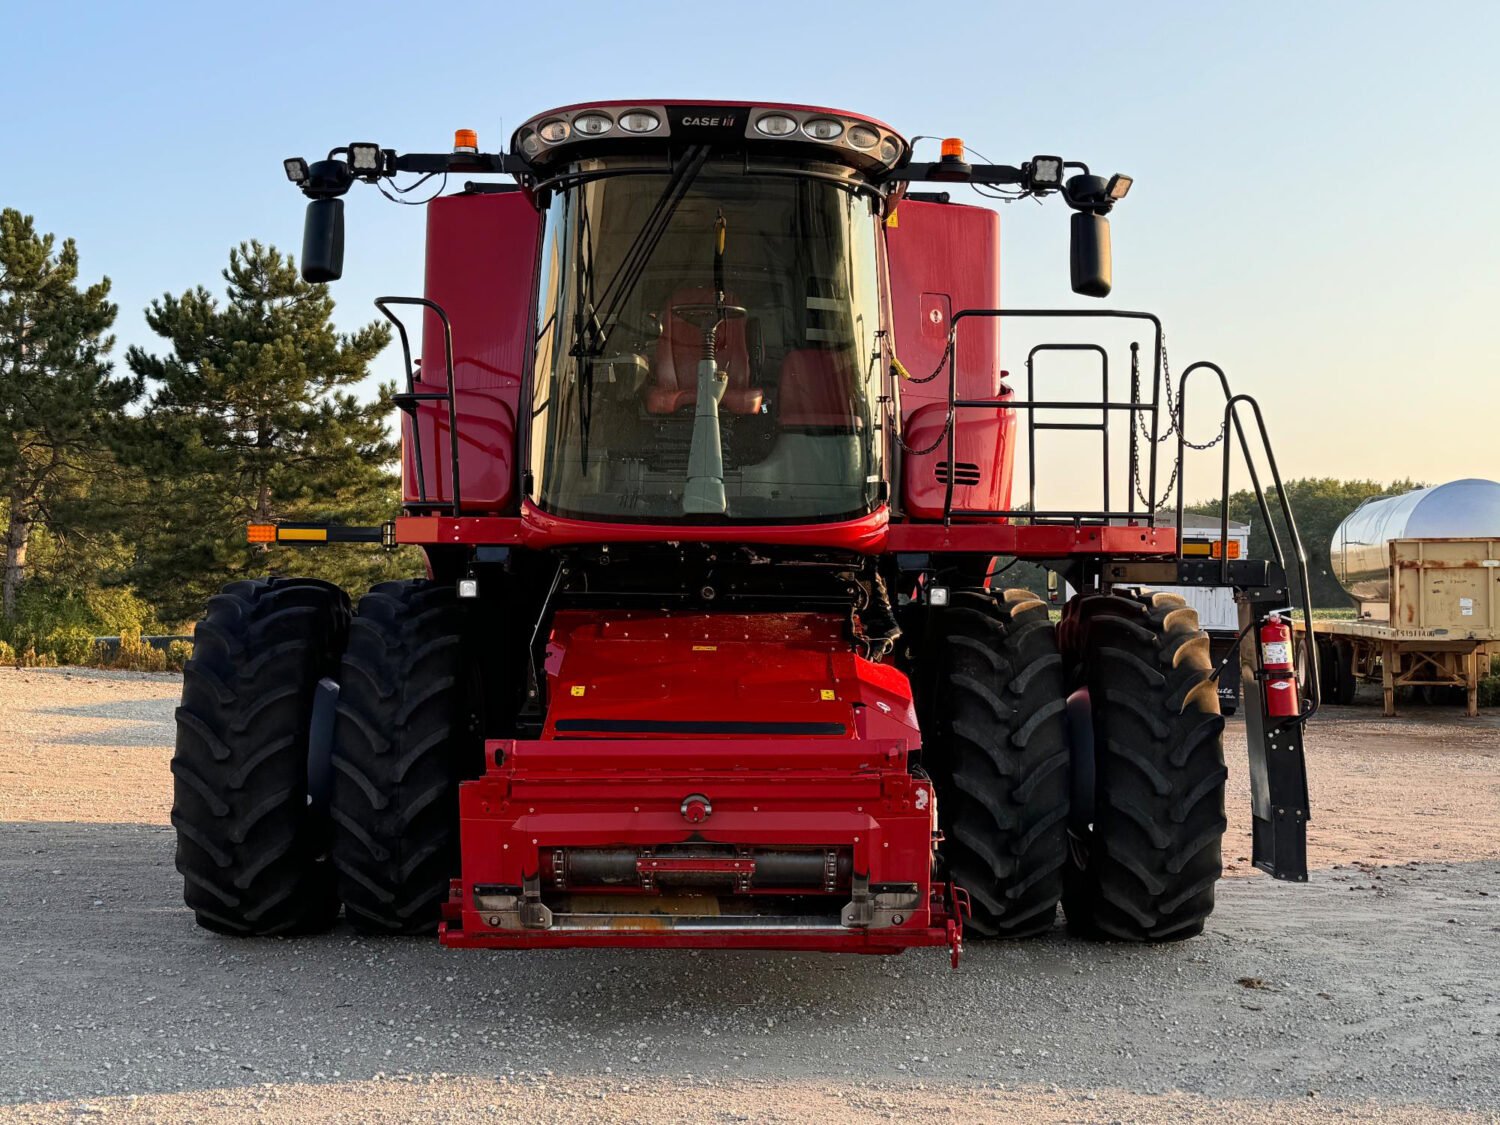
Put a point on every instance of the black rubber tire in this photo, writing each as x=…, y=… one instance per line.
x=253, y=859
x=405, y=738
x=1145, y=869
x=995, y=745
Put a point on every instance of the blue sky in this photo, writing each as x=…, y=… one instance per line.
x=1312, y=179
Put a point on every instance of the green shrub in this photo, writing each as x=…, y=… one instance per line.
x=136, y=655
x=178, y=654
x=70, y=644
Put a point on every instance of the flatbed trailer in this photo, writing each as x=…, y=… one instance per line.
x=1377, y=651
x=1436, y=627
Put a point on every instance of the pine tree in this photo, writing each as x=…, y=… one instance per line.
x=58, y=396
x=253, y=415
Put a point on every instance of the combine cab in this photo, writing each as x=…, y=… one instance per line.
x=714, y=465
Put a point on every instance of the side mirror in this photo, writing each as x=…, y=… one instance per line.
x=1090, y=254
x=323, y=241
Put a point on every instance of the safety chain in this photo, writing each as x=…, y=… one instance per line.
x=901, y=441
x=1171, y=431
x=1166, y=374
x=900, y=372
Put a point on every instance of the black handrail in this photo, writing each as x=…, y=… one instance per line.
x=408, y=401
x=1232, y=402
x=950, y=360
x=1102, y=425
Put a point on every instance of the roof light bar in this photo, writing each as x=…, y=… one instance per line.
x=847, y=139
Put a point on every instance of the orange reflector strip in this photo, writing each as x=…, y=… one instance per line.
x=260, y=533
x=1214, y=549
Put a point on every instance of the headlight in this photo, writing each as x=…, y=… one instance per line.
x=823, y=129
x=861, y=136
x=553, y=131
x=889, y=151
x=639, y=121
x=776, y=125
x=531, y=144
x=592, y=124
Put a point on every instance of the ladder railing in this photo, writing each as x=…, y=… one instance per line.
x=411, y=399
x=1106, y=408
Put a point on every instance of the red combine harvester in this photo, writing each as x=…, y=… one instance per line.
x=710, y=454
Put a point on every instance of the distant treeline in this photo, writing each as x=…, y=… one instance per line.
x=125, y=488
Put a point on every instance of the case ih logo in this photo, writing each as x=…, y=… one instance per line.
x=705, y=118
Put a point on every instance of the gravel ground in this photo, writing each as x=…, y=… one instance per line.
x=1372, y=993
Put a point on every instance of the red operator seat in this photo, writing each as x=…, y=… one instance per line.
x=674, y=377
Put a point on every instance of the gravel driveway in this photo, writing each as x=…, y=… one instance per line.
x=1372, y=993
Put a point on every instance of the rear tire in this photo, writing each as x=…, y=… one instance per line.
x=405, y=738
x=995, y=744
x=252, y=856
x=1144, y=870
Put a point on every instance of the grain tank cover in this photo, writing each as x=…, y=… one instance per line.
x=1460, y=509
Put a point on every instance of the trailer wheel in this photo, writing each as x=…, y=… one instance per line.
x=998, y=755
x=252, y=856
x=1146, y=861
x=404, y=739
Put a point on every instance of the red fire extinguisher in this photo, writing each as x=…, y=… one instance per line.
x=1281, y=677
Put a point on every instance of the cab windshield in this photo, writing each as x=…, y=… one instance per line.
x=708, y=349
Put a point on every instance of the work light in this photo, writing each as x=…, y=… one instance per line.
x=592, y=124
x=639, y=121
x=861, y=136
x=553, y=131
x=823, y=129
x=1046, y=171
x=365, y=158
x=296, y=169
x=776, y=125
x=1118, y=186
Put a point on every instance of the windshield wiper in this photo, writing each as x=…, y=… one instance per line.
x=595, y=315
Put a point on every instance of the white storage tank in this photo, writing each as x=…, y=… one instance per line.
x=1460, y=509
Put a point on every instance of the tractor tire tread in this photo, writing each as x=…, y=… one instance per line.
x=1154, y=853
x=251, y=858
x=401, y=747
x=996, y=747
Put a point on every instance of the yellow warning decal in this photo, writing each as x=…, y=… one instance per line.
x=894, y=218
x=826, y=694
x=705, y=648
x=577, y=690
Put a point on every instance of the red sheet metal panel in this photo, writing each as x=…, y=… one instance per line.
x=481, y=262
x=944, y=258
x=1038, y=541
x=704, y=776
x=647, y=674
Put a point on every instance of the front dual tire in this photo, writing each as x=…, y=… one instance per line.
x=256, y=856
x=1130, y=844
